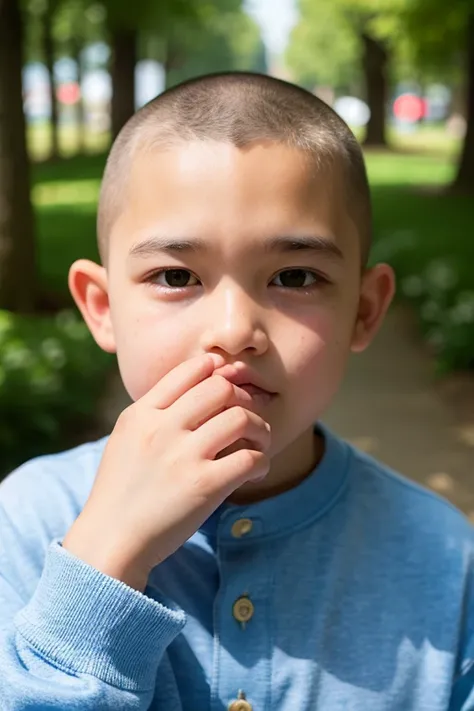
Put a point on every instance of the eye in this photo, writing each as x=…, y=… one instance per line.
x=173, y=278
x=297, y=278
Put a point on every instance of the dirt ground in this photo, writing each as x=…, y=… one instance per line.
x=393, y=407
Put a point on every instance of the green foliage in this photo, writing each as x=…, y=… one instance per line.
x=424, y=235
x=426, y=39
x=323, y=48
x=325, y=45
x=65, y=199
x=224, y=40
x=50, y=373
x=74, y=24
x=145, y=15
x=437, y=33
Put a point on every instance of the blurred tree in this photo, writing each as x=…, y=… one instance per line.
x=348, y=43
x=443, y=41
x=17, y=247
x=222, y=38
x=124, y=27
x=55, y=29
x=78, y=23
x=323, y=48
x=39, y=16
x=49, y=56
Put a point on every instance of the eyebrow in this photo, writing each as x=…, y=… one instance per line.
x=281, y=244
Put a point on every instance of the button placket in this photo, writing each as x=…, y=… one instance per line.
x=242, y=527
x=241, y=618
x=240, y=703
x=243, y=610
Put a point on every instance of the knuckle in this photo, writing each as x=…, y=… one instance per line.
x=241, y=417
x=223, y=386
x=126, y=418
x=249, y=458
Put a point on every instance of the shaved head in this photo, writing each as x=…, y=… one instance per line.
x=242, y=109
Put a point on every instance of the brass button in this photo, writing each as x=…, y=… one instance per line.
x=241, y=527
x=240, y=705
x=243, y=609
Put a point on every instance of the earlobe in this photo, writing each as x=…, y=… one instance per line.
x=376, y=295
x=88, y=285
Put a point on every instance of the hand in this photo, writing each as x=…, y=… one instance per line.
x=172, y=458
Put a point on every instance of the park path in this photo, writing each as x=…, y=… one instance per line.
x=391, y=407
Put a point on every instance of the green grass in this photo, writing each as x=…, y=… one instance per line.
x=409, y=206
x=65, y=197
x=39, y=141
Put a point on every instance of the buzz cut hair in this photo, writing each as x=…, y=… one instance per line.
x=240, y=108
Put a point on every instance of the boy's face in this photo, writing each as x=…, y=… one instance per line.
x=291, y=315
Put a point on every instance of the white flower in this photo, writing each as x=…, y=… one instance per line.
x=53, y=352
x=463, y=311
x=69, y=324
x=441, y=275
x=16, y=357
x=412, y=286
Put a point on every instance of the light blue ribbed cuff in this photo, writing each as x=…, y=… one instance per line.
x=88, y=623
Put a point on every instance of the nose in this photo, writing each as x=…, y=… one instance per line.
x=232, y=323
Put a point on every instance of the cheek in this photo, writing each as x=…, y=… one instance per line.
x=148, y=349
x=318, y=351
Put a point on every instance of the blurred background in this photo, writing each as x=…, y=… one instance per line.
x=400, y=72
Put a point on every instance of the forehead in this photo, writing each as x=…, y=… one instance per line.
x=234, y=198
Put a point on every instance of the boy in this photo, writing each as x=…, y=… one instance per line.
x=220, y=550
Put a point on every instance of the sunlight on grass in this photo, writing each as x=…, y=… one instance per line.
x=39, y=141
x=387, y=168
x=72, y=192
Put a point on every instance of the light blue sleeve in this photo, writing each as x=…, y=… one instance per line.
x=82, y=641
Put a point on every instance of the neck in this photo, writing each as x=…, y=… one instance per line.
x=287, y=470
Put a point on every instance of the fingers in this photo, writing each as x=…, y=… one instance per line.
x=232, y=471
x=226, y=428
x=179, y=380
x=206, y=399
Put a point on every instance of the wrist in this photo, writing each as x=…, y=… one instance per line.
x=108, y=557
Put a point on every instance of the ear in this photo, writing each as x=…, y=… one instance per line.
x=88, y=285
x=376, y=294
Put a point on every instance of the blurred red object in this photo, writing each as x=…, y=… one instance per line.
x=68, y=93
x=409, y=107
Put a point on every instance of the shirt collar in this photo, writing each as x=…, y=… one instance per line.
x=295, y=508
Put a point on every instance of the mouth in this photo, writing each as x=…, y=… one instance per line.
x=249, y=381
x=258, y=395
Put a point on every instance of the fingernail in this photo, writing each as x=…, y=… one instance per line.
x=257, y=479
x=218, y=360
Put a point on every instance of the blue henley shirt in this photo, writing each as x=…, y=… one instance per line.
x=353, y=591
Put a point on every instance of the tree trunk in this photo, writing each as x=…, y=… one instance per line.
x=80, y=112
x=48, y=52
x=464, y=181
x=375, y=58
x=124, y=49
x=17, y=245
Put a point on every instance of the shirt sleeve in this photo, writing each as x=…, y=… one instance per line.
x=84, y=640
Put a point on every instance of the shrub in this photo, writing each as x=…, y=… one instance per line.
x=50, y=373
x=445, y=305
